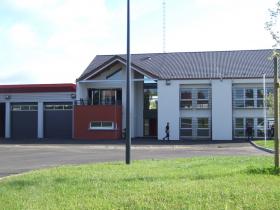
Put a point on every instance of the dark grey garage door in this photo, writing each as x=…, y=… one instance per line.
x=58, y=120
x=24, y=120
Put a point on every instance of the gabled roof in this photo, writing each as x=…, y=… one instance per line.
x=195, y=65
x=36, y=88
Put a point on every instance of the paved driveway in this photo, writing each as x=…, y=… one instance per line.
x=16, y=159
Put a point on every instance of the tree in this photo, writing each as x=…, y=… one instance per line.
x=273, y=25
x=273, y=28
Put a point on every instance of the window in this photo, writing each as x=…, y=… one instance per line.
x=104, y=96
x=186, y=98
x=239, y=127
x=249, y=98
x=238, y=98
x=194, y=98
x=24, y=107
x=150, y=98
x=203, y=127
x=260, y=98
x=186, y=127
x=202, y=98
x=260, y=127
x=55, y=106
x=101, y=125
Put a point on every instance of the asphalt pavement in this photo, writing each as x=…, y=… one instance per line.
x=18, y=158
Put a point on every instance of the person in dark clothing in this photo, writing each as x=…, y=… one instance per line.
x=272, y=131
x=166, y=132
x=249, y=131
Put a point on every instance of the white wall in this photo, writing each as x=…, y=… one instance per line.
x=37, y=97
x=168, y=108
x=221, y=110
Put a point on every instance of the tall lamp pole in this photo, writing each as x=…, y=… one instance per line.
x=128, y=73
x=276, y=110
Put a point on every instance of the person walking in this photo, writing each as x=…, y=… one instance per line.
x=166, y=132
x=272, y=131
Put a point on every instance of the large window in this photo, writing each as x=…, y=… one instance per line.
x=195, y=128
x=104, y=96
x=249, y=97
x=240, y=125
x=194, y=98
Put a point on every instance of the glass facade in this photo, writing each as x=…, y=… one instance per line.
x=249, y=97
x=198, y=98
x=104, y=96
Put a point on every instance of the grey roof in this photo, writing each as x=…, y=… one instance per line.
x=194, y=65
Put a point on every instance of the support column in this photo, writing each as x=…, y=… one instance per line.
x=40, y=120
x=8, y=120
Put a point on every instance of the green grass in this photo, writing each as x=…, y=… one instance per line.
x=269, y=143
x=191, y=183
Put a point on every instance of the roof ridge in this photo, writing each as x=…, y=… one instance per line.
x=175, y=52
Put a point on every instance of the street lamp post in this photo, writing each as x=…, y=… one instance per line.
x=128, y=73
x=276, y=110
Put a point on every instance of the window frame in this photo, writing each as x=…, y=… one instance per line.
x=185, y=128
x=203, y=128
x=101, y=127
x=186, y=100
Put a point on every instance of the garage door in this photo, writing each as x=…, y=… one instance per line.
x=58, y=120
x=24, y=120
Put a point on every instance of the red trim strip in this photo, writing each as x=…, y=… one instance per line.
x=36, y=88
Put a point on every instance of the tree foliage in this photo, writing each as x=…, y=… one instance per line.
x=272, y=26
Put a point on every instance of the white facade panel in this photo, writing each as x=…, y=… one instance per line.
x=37, y=97
x=221, y=110
x=168, y=108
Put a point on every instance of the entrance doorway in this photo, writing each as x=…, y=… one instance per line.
x=2, y=120
x=150, y=109
x=150, y=127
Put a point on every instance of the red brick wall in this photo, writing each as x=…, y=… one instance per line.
x=83, y=115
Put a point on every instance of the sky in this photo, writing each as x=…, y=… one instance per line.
x=53, y=41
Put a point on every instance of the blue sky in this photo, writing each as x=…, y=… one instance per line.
x=53, y=41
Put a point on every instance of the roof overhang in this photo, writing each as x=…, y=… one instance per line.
x=112, y=61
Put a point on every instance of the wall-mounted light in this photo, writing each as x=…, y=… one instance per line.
x=73, y=95
x=168, y=82
x=7, y=97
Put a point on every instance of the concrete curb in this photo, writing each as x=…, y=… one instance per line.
x=262, y=148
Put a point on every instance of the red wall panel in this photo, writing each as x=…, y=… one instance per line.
x=83, y=115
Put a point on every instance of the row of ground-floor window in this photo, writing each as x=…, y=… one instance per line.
x=200, y=127
x=30, y=120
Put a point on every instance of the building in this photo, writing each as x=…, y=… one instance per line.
x=36, y=111
x=203, y=95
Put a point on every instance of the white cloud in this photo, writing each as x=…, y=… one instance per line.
x=22, y=35
x=67, y=34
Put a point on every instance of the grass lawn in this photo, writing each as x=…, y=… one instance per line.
x=269, y=143
x=191, y=183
